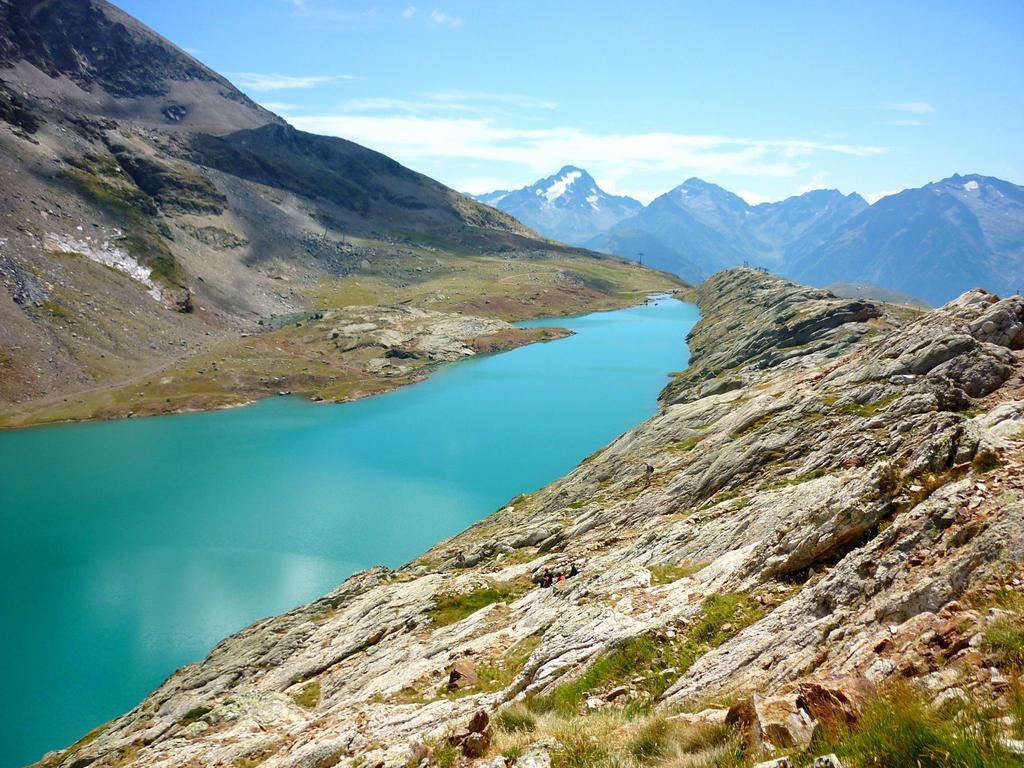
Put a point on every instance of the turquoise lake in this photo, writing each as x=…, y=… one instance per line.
x=130, y=548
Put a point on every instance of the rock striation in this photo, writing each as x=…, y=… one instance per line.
x=837, y=487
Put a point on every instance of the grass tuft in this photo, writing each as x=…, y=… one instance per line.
x=666, y=574
x=450, y=609
x=898, y=728
x=309, y=696
x=1005, y=637
x=515, y=719
x=656, y=660
x=194, y=714
x=650, y=741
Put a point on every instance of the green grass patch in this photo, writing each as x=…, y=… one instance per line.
x=798, y=480
x=1007, y=599
x=1005, y=638
x=721, y=617
x=725, y=496
x=515, y=719
x=579, y=749
x=651, y=741
x=194, y=714
x=867, y=409
x=899, y=729
x=687, y=445
x=666, y=574
x=502, y=672
x=309, y=696
x=450, y=609
x=753, y=425
x=493, y=675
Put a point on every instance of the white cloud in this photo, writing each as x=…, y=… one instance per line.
x=409, y=12
x=444, y=19
x=614, y=186
x=273, y=82
x=754, y=198
x=874, y=197
x=817, y=181
x=916, y=107
x=907, y=122
x=417, y=139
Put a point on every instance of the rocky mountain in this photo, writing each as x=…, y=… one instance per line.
x=932, y=242
x=568, y=206
x=699, y=228
x=826, y=557
x=935, y=241
x=150, y=211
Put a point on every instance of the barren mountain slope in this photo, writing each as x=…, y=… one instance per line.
x=149, y=210
x=836, y=504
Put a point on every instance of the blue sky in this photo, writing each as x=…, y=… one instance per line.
x=766, y=99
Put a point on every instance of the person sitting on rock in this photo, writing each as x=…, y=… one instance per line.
x=547, y=578
x=573, y=570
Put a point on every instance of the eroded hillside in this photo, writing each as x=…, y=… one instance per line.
x=829, y=542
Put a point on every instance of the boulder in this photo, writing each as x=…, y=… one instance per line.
x=704, y=717
x=784, y=722
x=837, y=703
x=462, y=674
x=475, y=739
x=536, y=756
x=477, y=744
x=827, y=761
x=616, y=693
x=772, y=721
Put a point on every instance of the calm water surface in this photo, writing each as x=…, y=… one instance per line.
x=129, y=548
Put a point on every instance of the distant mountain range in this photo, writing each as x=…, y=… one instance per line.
x=568, y=206
x=933, y=242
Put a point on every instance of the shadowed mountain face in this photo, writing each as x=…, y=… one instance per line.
x=567, y=206
x=93, y=57
x=934, y=242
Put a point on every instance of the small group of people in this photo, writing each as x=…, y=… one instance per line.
x=549, y=578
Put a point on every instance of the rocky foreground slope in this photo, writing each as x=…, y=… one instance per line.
x=836, y=506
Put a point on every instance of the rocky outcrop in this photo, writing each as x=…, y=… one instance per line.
x=828, y=520
x=396, y=340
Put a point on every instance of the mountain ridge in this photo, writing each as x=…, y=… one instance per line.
x=956, y=233
x=568, y=205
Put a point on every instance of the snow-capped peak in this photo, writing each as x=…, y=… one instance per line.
x=559, y=186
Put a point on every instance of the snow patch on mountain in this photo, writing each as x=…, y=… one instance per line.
x=559, y=186
x=104, y=252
